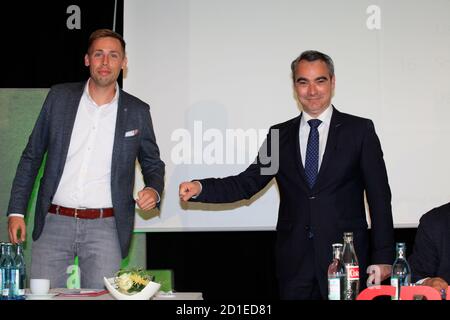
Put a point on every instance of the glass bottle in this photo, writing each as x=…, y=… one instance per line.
x=336, y=274
x=7, y=269
x=350, y=261
x=401, y=272
x=21, y=278
x=2, y=253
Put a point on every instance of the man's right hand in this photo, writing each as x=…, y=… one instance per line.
x=14, y=225
x=188, y=190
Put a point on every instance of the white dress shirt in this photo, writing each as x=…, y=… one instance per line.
x=323, y=129
x=86, y=179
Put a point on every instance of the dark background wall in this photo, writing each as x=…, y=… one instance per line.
x=41, y=43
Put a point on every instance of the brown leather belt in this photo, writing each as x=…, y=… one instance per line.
x=82, y=213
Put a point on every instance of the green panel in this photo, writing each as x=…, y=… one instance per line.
x=19, y=109
x=73, y=280
x=165, y=277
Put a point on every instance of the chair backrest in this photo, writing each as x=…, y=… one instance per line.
x=165, y=277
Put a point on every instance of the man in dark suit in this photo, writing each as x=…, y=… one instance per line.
x=324, y=161
x=430, y=260
x=91, y=133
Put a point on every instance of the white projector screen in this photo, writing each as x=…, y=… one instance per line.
x=216, y=70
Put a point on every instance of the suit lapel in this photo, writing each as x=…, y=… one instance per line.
x=70, y=113
x=330, y=148
x=122, y=112
x=295, y=137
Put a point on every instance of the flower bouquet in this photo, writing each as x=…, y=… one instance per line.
x=130, y=281
x=132, y=284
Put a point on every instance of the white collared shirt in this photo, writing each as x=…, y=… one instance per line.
x=323, y=129
x=86, y=179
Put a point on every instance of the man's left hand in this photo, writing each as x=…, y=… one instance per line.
x=147, y=199
x=378, y=273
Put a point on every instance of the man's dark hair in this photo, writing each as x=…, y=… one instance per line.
x=104, y=33
x=310, y=56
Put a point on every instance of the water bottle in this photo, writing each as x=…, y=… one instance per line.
x=401, y=272
x=336, y=274
x=350, y=261
x=7, y=269
x=21, y=277
x=2, y=253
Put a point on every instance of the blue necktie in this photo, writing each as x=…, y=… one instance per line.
x=312, y=152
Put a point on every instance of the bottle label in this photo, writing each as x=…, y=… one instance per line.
x=334, y=289
x=14, y=282
x=394, y=283
x=5, y=282
x=352, y=272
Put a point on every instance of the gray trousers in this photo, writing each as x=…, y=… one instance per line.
x=94, y=241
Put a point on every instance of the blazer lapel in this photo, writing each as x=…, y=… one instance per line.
x=70, y=113
x=122, y=112
x=330, y=148
x=295, y=137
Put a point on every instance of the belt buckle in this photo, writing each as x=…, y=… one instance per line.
x=76, y=212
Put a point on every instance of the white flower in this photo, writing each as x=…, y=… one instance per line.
x=124, y=282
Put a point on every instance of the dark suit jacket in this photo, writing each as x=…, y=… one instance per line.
x=51, y=135
x=431, y=252
x=352, y=163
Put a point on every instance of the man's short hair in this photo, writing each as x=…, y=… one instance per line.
x=104, y=33
x=310, y=56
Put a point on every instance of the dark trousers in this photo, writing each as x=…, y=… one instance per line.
x=303, y=285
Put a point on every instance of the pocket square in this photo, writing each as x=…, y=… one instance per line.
x=132, y=133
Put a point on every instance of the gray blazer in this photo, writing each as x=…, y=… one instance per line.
x=51, y=136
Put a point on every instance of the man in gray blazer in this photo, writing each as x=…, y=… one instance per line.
x=91, y=133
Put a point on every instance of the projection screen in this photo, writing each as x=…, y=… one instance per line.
x=217, y=76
